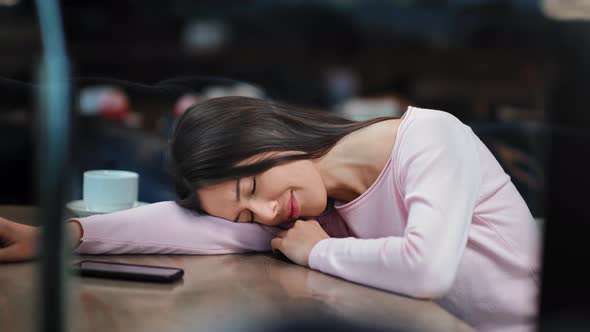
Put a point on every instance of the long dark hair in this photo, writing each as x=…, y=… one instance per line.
x=213, y=136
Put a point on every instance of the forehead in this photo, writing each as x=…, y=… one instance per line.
x=226, y=189
x=219, y=199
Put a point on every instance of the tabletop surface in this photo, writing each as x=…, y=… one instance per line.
x=240, y=292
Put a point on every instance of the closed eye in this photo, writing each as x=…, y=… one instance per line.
x=252, y=193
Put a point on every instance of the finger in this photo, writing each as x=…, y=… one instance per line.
x=276, y=244
x=282, y=233
x=11, y=254
x=299, y=223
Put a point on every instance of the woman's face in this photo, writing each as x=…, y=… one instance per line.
x=281, y=194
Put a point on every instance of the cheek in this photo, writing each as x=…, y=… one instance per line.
x=312, y=192
x=316, y=199
x=293, y=175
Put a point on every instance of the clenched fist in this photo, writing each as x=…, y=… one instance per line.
x=297, y=242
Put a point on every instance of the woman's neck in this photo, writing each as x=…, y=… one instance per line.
x=354, y=164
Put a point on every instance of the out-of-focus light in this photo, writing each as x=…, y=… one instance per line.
x=363, y=109
x=109, y=102
x=184, y=103
x=243, y=90
x=205, y=36
x=567, y=9
x=9, y=3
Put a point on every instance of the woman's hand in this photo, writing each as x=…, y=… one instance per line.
x=297, y=242
x=18, y=242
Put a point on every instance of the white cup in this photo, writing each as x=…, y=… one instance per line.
x=110, y=190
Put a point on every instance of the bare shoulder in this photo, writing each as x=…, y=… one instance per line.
x=386, y=130
x=384, y=133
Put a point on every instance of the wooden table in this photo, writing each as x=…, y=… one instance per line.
x=218, y=293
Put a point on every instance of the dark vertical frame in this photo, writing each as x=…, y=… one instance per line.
x=565, y=286
x=51, y=166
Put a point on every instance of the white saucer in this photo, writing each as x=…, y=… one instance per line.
x=79, y=209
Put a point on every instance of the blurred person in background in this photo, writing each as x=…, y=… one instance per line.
x=415, y=205
x=390, y=98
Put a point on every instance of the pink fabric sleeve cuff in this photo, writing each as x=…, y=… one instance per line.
x=318, y=254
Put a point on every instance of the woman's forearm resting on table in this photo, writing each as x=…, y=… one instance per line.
x=394, y=264
x=166, y=228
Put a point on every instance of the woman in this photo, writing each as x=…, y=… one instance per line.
x=416, y=205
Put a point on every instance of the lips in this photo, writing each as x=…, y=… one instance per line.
x=293, y=208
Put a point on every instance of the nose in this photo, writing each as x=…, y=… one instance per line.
x=264, y=209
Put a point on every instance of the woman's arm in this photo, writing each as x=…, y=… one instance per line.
x=166, y=228
x=160, y=228
x=438, y=173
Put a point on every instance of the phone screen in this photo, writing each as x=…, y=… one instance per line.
x=128, y=271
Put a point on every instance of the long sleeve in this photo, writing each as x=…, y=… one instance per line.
x=437, y=173
x=166, y=228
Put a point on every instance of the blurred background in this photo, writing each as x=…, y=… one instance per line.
x=516, y=71
x=490, y=63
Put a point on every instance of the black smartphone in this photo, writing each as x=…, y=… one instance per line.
x=111, y=270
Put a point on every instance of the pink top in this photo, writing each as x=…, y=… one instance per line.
x=443, y=221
